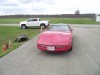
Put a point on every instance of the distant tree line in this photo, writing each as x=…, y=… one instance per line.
x=51, y=16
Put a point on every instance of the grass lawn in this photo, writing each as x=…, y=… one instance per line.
x=10, y=33
x=52, y=20
x=71, y=20
x=11, y=20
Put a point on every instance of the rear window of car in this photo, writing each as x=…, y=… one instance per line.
x=59, y=28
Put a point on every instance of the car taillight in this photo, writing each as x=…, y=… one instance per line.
x=60, y=46
x=42, y=45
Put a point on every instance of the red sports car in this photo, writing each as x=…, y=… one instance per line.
x=57, y=37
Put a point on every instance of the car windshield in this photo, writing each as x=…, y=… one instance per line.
x=58, y=28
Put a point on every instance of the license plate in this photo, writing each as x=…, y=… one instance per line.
x=50, y=48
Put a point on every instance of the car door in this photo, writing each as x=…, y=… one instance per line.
x=32, y=22
x=35, y=22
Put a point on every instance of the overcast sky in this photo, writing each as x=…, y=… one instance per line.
x=11, y=7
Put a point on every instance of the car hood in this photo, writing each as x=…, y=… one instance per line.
x=54, y=38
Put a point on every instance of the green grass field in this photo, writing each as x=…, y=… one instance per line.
x=52, y=20
x=10, y=33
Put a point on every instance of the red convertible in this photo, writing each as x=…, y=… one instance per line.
x=57, y=37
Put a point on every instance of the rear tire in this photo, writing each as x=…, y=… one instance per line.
x=71, y=46
x=23, y=26
x=42, y=26
x=71, y=49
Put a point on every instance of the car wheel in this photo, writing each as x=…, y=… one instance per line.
x=23, y=26
x=42, y=26
x=71, y=49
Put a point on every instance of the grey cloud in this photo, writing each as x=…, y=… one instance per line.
x=9, y=4
x=22, y=11
x=38, y=10
x=26, y=1
x=2, y=1
x=32, y=1
x=49, y=1
x=12, y=11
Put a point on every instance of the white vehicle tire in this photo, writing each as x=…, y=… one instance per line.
x=42, y=26
x=23, y=26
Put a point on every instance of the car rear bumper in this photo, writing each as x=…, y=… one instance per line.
x=55, y=48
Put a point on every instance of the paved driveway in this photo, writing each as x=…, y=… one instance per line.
x=83, y=60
